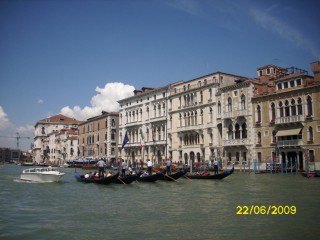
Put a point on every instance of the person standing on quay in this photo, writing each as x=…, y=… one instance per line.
x=149, y=167
x=101, y=164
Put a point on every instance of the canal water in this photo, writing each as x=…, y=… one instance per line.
x=197, y=209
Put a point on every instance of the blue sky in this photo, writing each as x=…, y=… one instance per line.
x=79, y=57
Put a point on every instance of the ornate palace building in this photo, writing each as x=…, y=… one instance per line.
x=98, y=136
x=226, y=117
x=286, y=116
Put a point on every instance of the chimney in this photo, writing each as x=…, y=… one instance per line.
x=315, y=67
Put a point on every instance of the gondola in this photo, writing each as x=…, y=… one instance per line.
x=105, y=180
x=150, y=178
x=174, y=176
x=218, y=176
x=127, y=179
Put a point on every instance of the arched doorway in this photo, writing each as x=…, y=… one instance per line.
x=192, y=157
x=186, y=158
x=159, y=156
x=198, y=157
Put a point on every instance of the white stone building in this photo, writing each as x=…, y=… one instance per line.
x=55, y=139
x=144, y=118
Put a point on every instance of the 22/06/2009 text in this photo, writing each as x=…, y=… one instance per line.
x=266, y=210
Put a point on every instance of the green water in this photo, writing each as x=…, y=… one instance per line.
x=197, y=209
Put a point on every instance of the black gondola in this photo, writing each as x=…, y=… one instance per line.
x=174, y=176
x=150, y=178
x=127, y=179
x=219, y=176
x=105, y=180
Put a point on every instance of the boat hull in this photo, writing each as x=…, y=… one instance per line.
x=150, y=178
x=126, y=180
x=219, y=176
x=41, y=175
x=174, y=176
x=308, y=174
x=106, y=180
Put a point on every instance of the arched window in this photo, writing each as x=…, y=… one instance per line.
x=309, y=106
x=281, y=109
x=186, y=139
x=273, y=112
x=293, y=108
x=287, y=108
x=230, y=132
x=219, y=107
x=229, y=104
x=243, y=102
x=244, y=130
x=237, y=131
x=258, y=114
x=310, y=134
x=299, y=106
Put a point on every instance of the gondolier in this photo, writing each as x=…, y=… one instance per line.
x=149, y=167
x=168, y=166
x=101, y=164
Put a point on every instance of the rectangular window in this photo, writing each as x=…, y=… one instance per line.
x=279, y=86
x=285, y=85
x=299, y=82
x=268, y=71
x=291, y=83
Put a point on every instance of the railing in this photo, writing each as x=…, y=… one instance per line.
x=235, y=142
x=192, y=127
x=285, y=143
x=241, y=112
x=227, y=114
x=289, y=119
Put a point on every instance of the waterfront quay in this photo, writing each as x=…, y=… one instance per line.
x=162, y=210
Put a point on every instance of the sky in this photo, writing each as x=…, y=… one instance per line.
x=79, y=57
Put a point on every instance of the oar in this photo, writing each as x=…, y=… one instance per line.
x=121, y=180
x=171, y=178
x=187, y=177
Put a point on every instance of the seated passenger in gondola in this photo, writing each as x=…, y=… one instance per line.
x=144, y=174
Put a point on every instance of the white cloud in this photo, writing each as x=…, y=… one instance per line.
x=284, y=30
x=105, y=100
x=8, y=132
x=40, y=101
x=4, y=121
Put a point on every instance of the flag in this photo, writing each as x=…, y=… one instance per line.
x=125, y=140
x=141, y=133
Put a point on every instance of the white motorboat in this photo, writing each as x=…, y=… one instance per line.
x=47, y=174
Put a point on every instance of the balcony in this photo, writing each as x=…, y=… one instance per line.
x=290, y=143
x=290, y=119
x=241, y=113
x=190, y=128
x=228, y=114
x=235, y=142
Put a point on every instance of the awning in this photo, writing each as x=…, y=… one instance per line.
x=288, y=132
